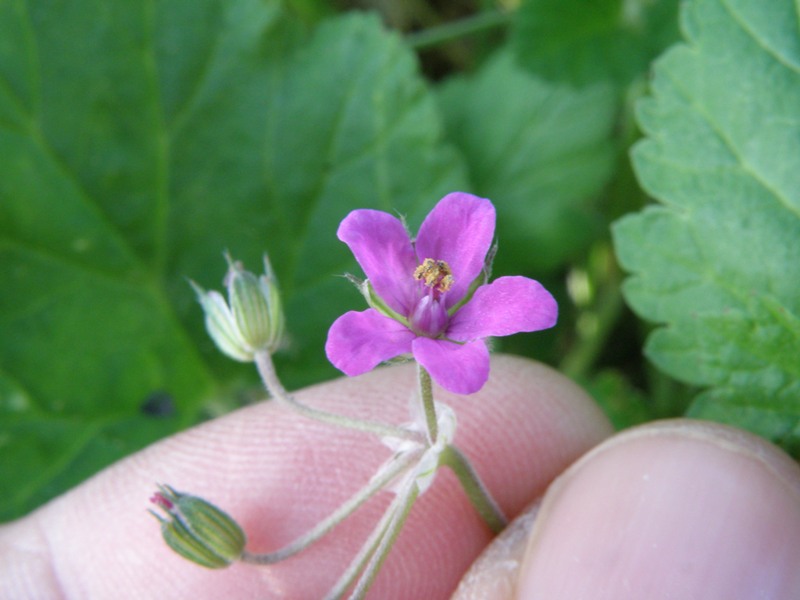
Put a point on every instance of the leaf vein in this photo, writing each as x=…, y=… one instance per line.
x=334, y=135
x=763, y=43
x=162, y=144
x=729, y=143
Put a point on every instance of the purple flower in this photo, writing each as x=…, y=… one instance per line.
x=430, y=297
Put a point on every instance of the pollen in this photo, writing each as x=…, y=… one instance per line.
x=435, y=274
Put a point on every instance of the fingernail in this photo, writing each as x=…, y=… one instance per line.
x=677, y=510
x=494, y=574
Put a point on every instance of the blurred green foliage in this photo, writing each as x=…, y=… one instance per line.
x=139, y=141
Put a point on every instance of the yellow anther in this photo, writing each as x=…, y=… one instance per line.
x=436, y=274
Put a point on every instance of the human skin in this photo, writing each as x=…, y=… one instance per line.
x=278, y=474
x=672, y=510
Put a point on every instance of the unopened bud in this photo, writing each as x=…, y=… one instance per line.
x=198, y=530
x=251, y=320
x=256, y=305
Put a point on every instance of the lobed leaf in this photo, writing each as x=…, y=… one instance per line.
x=717, y=263
x=542, y=152
x=586, y=41
x=137, y=142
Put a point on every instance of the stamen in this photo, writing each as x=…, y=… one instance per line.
x=436, y=274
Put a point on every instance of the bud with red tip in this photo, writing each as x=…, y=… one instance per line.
x=198, y=530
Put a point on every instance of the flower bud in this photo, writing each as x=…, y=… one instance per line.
x=197, y=530
x=251, y=320
x=221, y=325
x=256, y=305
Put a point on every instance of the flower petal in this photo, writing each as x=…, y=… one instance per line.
x=458, y=368
x=382, y=247
x=360, y=341
x=459, y=230
x=505, y=306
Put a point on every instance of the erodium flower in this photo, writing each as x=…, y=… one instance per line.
x=429, y=296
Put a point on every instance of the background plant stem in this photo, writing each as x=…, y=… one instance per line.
x=458, y=29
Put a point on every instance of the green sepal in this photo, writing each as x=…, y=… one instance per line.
x=481, y=279
x=256, y=306
x=375, y=301
x=221, y=325
x=182, y=540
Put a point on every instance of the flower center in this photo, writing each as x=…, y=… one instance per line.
x=429, y=316
x=436, y=274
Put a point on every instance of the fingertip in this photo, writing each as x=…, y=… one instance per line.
x=493, y=576
x=525, y=427
x=676, y=509
x=520, y=431
x=279, y=474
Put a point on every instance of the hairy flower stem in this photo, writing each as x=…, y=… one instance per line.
x=395, y=466
x=349, y=577
x=426, y=396
x=476, y=492
x=266, y=369
x=376, y=548
x=387, y=541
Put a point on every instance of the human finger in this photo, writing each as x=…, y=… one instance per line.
x=679, y=509
x=278, y=474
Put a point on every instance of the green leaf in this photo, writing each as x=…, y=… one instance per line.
x=352, y=125
x=137, y=142
x=586, y=41
x=542, y=152
x=718, y=262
